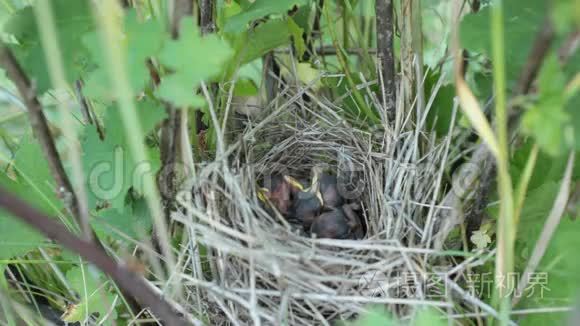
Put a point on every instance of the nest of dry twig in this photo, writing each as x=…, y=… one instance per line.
x=251, y=266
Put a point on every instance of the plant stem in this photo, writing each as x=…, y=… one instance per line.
x=40, y=129
x=206, y=16
x=50, y=42
x=369, y=113
x=506, y=225
x=385, y=54
x=128, y=280
x=134, y=132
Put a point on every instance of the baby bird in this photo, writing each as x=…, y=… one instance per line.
x=306, y=204
x=277, y=193
x=328, y=185
x=339, y=223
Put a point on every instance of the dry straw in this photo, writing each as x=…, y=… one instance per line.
x=240, y=265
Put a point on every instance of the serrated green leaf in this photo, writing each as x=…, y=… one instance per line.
x=259, y=9
x=132, y=222
x=546, y=126
x=72, y=19
x=545, y=120
x=109, y=165
x=93, y=291
x=193, y=59
x=179, y=91
x=144, y=40
x=141, y=40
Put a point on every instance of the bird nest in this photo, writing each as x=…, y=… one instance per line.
x=244, y=265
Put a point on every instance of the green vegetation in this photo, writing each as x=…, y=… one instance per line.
x=138, y=98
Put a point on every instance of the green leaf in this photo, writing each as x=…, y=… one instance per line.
x=565, y=15
x=109, y=166
x=430, y=317
x=35, y=185
x=309, y=75
x=548, y=168
x=439, y=117
x=133, y=222
x=252, y=71
x=555, y=281
x=264, y=38
x=377, y=316
x=304, y=18
x=259, y=9
x=545, y=120
x=574, y=113
x=72, y=19
x=245, y=87
x=17, y=237
x=141, y=41
x=193, y=59
x=144, y=40
x=522, y=20
x=227, y=10
x=93, y=291
x=557, y=276
x=176, y=88
x=98, y=87
x=297, y=33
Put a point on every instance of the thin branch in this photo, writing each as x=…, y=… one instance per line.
x=40, y=129
x=540, y=49
x=569, y=47
x=87, y=109
x=181, y=9
x=327, y=50
x=206, y=14
x=42, y=133
x=170, y=132
x=128, y=280
x=270, y=69
x=83, y=102
x=385, y=54
x=315, y=31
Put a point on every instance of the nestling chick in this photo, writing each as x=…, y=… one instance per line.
x=306, y=203
x=339, y=223
x=277, y=193
x=329, y=190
